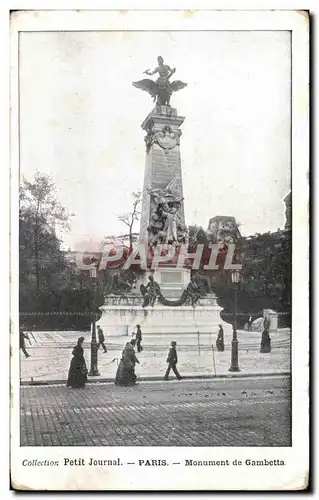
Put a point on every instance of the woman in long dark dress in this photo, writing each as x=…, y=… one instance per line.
x=78, y=371
x=125, y=374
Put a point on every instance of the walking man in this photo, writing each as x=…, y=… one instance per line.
x=172, y=362
x=138, y=338
x=23, y=336
x=101, y=338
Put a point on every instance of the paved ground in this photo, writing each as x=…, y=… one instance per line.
x=236, y=412
x=51, y=354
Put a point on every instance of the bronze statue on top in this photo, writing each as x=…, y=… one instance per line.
x=162, y=89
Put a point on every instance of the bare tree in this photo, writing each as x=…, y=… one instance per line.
x=130, y=218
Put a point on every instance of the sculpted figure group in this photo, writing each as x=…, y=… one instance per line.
x=152, y=291
x=165, y=223
x=162, y=89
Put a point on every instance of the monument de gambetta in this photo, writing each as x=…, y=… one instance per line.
x=167, y=297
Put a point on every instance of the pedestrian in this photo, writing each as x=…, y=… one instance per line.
x=23, y=336
x=138, y=339
x=101, y=338
x=220, y=346
x=77, y=376
x=172, y=362
x=125, y=374
x=265, y=345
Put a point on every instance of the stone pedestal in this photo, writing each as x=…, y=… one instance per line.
x=121, y=314
x=172, y=280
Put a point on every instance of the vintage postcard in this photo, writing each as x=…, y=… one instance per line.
x=159, y=220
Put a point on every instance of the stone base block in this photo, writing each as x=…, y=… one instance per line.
x=122, y=319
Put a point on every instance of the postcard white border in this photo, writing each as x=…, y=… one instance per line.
x=294, y=474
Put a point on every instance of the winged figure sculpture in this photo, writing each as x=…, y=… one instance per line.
x=161, y=89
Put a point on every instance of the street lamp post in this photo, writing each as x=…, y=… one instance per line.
x=234, y=344
x=94, y=372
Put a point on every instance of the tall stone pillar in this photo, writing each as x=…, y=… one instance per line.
x=163, y=160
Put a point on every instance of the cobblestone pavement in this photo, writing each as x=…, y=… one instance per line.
x=236, y=412
x=51, y=355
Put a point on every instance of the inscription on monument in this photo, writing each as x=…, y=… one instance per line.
x=171, y=277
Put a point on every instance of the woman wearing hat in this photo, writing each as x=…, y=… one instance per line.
x=220, y=339
x=125, y=374
x=78, y=371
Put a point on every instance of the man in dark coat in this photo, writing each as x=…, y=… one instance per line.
x=23, y=336
x=172, y=362
x=101, y=338
x=138, y=338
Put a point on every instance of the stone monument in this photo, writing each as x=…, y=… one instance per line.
x=167, y=298
x=162, y=218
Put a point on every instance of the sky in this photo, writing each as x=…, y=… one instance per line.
x=80, y=122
